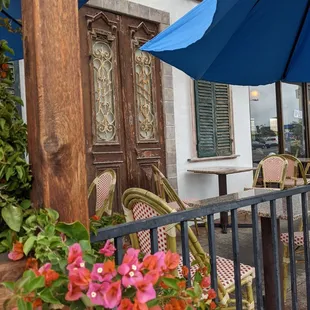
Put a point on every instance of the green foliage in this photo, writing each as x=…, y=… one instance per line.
x=15, y=178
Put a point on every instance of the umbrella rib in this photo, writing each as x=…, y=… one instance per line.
x=11, y=17
x=296, y=39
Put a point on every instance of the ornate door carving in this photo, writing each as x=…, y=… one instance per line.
x=122, y=99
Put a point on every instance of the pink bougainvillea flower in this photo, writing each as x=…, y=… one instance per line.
x=131, y=256
x=96, y=292
x=80, y=277
x=211, y=294
x=78, y=263
x=104, y=272
x=152, y=276
x=113, y=295
x=125, y=304
x=75, y=251
x=108, y=249
x=172, y=260
x=145, y=291
x=154, y=262
x=74, y=292
x=18, y=251
x=130, y=274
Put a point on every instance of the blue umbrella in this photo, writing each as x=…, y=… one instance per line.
x=14, y=38
x=241, y=42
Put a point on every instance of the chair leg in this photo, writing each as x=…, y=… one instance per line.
x=250, y=298
x=286, y=262
x=206, y=224
x=196, y=227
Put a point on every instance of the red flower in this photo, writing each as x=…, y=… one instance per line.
x=205, y=282
x=17, y=253
x=74, y=292
x=49, y=275
x=37, y=303
x=139, y=306
x=32, y=264
x=185, y=271
x=75, y=251
x=213, y=305
x=172, y=260
x=80, y=277
x=125, y=304
x=95, y=218
x=211, y=293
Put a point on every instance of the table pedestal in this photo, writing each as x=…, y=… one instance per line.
x=268, y=259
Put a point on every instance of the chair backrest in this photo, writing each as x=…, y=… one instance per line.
x=105, y=189
x=294, y=168
x=165, y=190
x=274, y=169
x=140, y=204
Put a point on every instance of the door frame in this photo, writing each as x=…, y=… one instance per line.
x=162, y=18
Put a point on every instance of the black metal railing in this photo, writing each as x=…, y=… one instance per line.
x=275, y=301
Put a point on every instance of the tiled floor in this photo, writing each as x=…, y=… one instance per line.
x=224, y=249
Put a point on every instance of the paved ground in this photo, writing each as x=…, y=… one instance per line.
x=224, y=249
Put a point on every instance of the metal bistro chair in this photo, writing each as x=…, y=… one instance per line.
x=166, y=192
x=292, y=180
x=105, y=189
x=294, y=169
x=273, y=169
x=141, y=204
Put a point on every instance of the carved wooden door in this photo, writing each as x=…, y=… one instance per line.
x=122, y=100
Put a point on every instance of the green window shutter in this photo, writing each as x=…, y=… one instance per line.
x=222, y=118
x=205, y=119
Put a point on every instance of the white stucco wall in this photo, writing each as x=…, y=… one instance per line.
x=197, y=185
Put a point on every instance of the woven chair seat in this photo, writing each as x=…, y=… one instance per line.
x=225, y=271
x=291, y=182
x=298, y=238
x=175, y=206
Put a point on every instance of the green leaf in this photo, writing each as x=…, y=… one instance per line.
x=23, y=305
x=197, y=289
x=20, y=172
x=25, y=204
x=75, y=231
x=9, y=173
x=9, y=285
x=6, y=3
x=77, y=305
x=13, y=216
x=85, y=245
x=1, y=153
x=52, y=214
x=47, y=296
x=153, y=303
x=34, y=284
x=191, y=293
x=29, y=244
x=173, y=283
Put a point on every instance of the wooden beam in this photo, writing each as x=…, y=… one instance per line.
x=54, y=107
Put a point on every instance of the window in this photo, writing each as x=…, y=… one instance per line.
x=213, y=119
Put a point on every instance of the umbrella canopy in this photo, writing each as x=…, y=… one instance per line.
x=14, y=37
x=240, y=42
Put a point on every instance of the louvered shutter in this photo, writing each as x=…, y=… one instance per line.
x=205, y=115
x=223, y=129
x=212, y=102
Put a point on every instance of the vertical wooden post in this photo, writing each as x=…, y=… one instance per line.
x=54, y=106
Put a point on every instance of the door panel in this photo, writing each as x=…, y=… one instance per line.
x=122, y=100
x=144, y=102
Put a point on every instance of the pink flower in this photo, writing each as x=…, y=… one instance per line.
x=78, y=263
x=74, y=292
x=104, y=272
x=75, y=251
x=17, y=253
x=131, y=256
x=205, y=282
x=96, y=292
x=80, y=277
x=108, y=249
x=131, y=273
x=155, y=262
x=145, y=291
x=113, y=295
